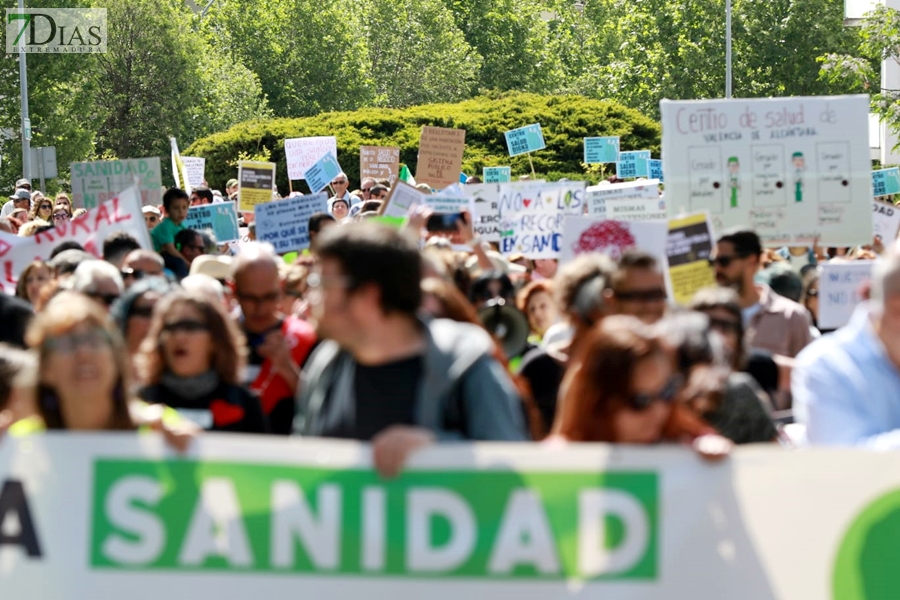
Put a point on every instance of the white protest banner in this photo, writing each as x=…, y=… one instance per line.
x=285, y=223
x=401, y=199
x=839, y=287
x=688, y=249
x=598, y=195
x=119, y=515
x=302, y=153
x=120, y=213
x=532, y=214
x=219, y=217
x=885, y=221
x=485, y=210
x=93, y=183
x=195, y=167
x=591, y=234
x=791, y=169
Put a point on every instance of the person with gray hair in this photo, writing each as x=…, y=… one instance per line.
x=341, y=187
x=846, y=385
x=99, y=280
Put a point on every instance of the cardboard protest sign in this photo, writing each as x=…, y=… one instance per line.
x=220, y=218
x=885, y=221
x=688, y=249
x=525, y=139
x=379, y=162
x=485, y=210
x=401, y=199
x=590, y=234
x=195, y=168
x=122, y=213
x=285, y=223
x=322, y=173
x=497, y=174
x=93, y=183
x=600, y=150
x=440, y=156
x=256, y=182
x=656, y=170
x=644, y=194
x=839, y=287
x=633, y=164
x=791, y=169
x=886, y=182
x=532, y=215
x=302, y=153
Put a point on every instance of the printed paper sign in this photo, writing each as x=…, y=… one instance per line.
x=532, y=215
x=633, y=164
x=590, y=234
x=839, y=287
x=485, y=199
x=440, y=156
x=497, y=174
x=402, y=197
x=256, y=182
x=119, y=213
x=643, y=194
x=322, y=173
x=195, y=167
x=379, y=162
x=525, y=139
x=219, y=217
x=285, y=223
x=601, y=150
x=449, y=202
x=885, y=221
x=789, y=168
x=93, y=183
x=656, y=170
x=688, y=250
x=886, y=182
x=302, y=153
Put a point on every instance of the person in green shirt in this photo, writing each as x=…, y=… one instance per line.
x=176, y=202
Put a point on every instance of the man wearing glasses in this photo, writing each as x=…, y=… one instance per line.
x=21, y=198
x=771, y=322
x=341, y=185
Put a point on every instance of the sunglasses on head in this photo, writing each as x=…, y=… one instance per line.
x=667, y=394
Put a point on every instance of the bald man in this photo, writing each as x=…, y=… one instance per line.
x=277, y=344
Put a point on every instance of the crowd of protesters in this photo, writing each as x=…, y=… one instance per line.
x=396, y=337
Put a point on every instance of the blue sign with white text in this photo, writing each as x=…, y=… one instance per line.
x=599, y=150
x=886, y=182
x=633, y=164
x=656, y=170
x=322, y=173
x=497, y=174
x=525, y=139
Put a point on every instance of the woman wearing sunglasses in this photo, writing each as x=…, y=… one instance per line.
x=622, y=388
x=191, y=359
x=133, y=311
x=41, y=209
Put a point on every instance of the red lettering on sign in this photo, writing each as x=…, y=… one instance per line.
x=91, y=247
x=117, y=216
x=39, y=238
x=102, y=214
x=83, y=224
x=8, y=272
x=4, y=247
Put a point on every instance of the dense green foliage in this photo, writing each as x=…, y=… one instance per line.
x=566, y=120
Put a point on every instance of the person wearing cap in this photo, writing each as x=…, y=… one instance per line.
x=21, y=198
x=231, y=187
x=23, y=184
x=152, y=217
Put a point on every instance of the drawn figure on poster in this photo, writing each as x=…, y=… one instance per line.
x=799, y=163
x=734, y=169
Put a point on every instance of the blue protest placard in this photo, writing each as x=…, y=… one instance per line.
x=220, y=217
x=599, y=150
x=525, y=139
x=285, y=223
x=633, y=164
x=322, y=173
x=886, y=182
x=656, y=170
x=497, y=174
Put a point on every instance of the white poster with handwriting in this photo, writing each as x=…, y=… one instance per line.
x=840, y=284
x=790, y=168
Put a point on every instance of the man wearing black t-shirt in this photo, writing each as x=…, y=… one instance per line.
x=383, y=375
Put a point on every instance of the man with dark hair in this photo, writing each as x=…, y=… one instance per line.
x=67, y=245
x=772, y=322
x=117, y=246
x=176, y=203
x=384, y=375
x=201, y=195
x=190, y=244
x=378, y=192
x=317, y=223
x=638, y=287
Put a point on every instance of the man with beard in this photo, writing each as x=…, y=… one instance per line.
x=771, y=322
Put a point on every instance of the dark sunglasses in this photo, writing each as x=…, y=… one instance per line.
x=141, y=311
x=642, y=296
x=107, y=299
x=342, y=182
x=723, y=261
x=725, y=325
x=46, y=206
x=667, y=394
x=128, y=272
x=61, y=217
x=185, y=326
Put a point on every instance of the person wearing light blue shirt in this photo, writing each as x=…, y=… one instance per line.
x=846, y=385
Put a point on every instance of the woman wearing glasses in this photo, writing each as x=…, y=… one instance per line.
x=62, y=200
x=622, y=389
x=191, y=359
x=41, y=209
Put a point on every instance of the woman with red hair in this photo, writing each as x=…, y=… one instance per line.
x=623, y=388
